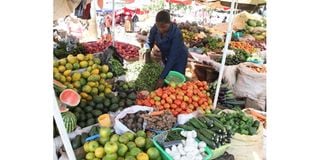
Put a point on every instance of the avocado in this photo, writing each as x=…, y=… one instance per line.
x=82, y=117
x=90, y=122
x=98, y=99
x=115, y=100
x=76, y=142
x=122, y=103
x=89, y=115
x=96, y=113
x=107, y=103
x=82, y=124
x=132, y=96
x=252, y=23
x=92, y=103
x=88, y=109
x=114, y=107
x=83, y=104
x=99, y=106
x=129, y=102
x=78, y=109
x=110, y=95
x=122, y=95
x=84, y=136
x=77, y=114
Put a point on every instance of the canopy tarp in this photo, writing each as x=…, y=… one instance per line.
x=62, y=8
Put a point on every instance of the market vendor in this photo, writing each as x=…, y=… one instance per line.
x=168, y=38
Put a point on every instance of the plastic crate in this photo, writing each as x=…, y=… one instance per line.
x=176, y=75
x=166, y=156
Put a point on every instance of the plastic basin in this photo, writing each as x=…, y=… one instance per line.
x=175, y=77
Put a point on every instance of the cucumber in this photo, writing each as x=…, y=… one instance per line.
x=209, y=122
x=211, y=144
x=194, y=123
x=187, y=127
x=210, y=132
x=218, y=124
x=201, y=119
x=206, y=134
x=202, y=125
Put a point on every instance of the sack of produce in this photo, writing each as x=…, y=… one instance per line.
x=256, y=103
x=247, y=147
x=131, y=119
x=250, y=82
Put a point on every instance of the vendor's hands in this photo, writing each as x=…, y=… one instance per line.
x=160, y=83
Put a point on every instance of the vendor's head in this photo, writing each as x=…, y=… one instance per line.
x=163, y=21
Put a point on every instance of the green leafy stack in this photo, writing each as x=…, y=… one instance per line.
x=148, y=76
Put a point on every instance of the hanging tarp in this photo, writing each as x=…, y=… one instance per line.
x=62, y=8
x=183, y=2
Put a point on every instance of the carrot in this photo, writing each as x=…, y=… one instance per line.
x=156, y=113
x=258, y=115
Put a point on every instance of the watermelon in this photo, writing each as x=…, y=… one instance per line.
x=70, y=121
x=70, y=97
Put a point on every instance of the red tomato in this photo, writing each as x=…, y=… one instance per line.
x=163, y=101
x=166, y=106
x=164, y=96
x=174, y=106
x=180, y=97
x=178, y=110
x=177, y=102
x=173, y=97
x=169, y=100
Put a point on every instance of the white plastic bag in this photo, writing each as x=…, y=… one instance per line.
x=119, y=127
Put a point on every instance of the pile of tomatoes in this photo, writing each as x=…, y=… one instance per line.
x=181, y=99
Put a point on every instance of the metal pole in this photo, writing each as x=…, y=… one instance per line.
x=62, y=130
x=224, y=56
x=113, y=21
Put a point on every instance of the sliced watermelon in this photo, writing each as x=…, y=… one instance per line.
x=70, y=97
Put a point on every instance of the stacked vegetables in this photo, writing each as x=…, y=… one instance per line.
x=134, y=121
x=161, y=120
x=210, y=130
x=226, y=97
x=243, y=46
x=116, y=67
x=185, y=98
x=240, y=57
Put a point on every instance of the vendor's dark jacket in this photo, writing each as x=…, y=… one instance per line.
x=174, y=53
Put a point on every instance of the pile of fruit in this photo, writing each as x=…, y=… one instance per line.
x=210, y=130
x=226, y=97
x=239, y=57
x=134, y=121
x=128, y=146
x=89, y=82
x=257, y=28
x=148, y=76
x=80, y=139
x=161, y=120
x=242, y=45
x=88, y=112
x=237, y=122
x=126, y=51
x=193, y=34
x=184, y=98
x=259, y=45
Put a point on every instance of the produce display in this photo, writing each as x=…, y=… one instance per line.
x=69, y=120
x=257, y=28
x=89, y=82
x=242, y=45
x=226, y=97
x=257, y=115
x=128, y=146
x=188, y=149
x=65, y=48
x=116, y=67
x=88, y=112
x=239, y=57
x=148, y=76
x=161, y=120
x=134, y=121
x=80, y=139
x=184, y=98
x=256, y=44
x=210, y=130
x=237, y=122
x=126, y=51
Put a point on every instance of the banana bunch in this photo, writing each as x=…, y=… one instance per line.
x=226, y=97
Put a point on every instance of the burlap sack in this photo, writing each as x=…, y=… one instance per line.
x=249, y=83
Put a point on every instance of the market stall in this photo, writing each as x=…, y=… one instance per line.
x=108, y=106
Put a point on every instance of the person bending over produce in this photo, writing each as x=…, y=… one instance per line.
x=168, y=37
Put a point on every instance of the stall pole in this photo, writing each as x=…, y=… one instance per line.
x=224, y=56
x=62, y=130
x=113, y=21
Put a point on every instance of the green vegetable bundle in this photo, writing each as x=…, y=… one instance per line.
x=148, y=76
x=240, y=57
x=116, y=67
